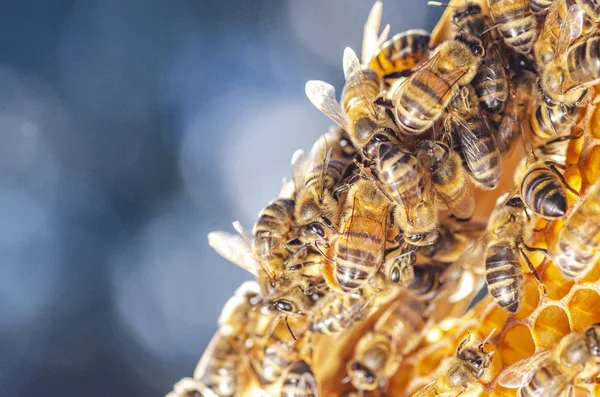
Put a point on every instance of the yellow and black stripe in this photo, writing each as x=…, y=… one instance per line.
x=222, y=372
x=504, y=275
x=539, y=6
x=583, y=61
x=402, y=54
x=337, y=313
x=515, y=23
x=491, y=83
x=271, y=231
x=543, y=192
x=299, y=381
x=397, y=170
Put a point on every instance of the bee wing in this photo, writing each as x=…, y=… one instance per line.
x=235, y=249
x=300, y=164
x=520, y=373
x=427, y=390
x=352, y=67
x=322, y=95
x=571, y=27
x=439, y=86
x=371, y=31
x=552, y=19
x=357, y=224
x=207, y=357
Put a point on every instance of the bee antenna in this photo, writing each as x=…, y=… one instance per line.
x=464, y=342
x=485, y=341
x=289, y=328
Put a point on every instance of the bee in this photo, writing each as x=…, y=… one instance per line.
x=396, y=332
x=462, y=373
x=453, y=241
x=421, y=99
x=188, y=387
x=220, y=368
x=336, y=312
x=511, y=124
x=399, y=56
x=490, y=82
x=474, y=139
x=415, y=208
x=356, y=112
x=547, y=122
x=576, y=250
x=316, y=177
x=360, y=247
x=562, y=25
x=542, y=187
x=540, y=6
x=448, y=176
x=515, y=22
x=503, y=272
x=554, y=372
x=299, y=381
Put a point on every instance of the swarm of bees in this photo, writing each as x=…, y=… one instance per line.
x=367, y=262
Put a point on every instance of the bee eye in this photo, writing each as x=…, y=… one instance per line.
x=395, y=275
x=355, y=366
x=284, y=306
x=548, y=101
x=415, y=237
x=317, y=229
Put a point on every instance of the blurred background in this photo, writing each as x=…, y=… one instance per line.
x=130, y=129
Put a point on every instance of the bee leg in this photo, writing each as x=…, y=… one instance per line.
x=343, y=188
x=289, y=328
x=464, y=342
x=554, y=167
x=323, y=253
x=530, y=266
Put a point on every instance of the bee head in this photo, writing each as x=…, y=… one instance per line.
x=472, y=43
x=421, y=239
x=592, y=336
x=362, y=377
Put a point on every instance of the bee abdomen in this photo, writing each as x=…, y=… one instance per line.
x=339, y=315
x=426, y=280
x=397, y=170
x=543, y=192
x=402, y=53
x=354, y=267
x=491, y=87
x=504, y=276
x=519, y=33
x=583, y=60
x=299, y=381
x=539, y=6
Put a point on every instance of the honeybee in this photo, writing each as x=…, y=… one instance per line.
x=554, y=372
x=415, y=208
x=220, y=368
x=576, y=250
x=360, y=247
x=421, y=99
x=540, y=6
x=299, y=381
x=547, y=122
x=503, y=272
x=336, y=312
x=396, y=332
x=474, y=139
x=453, y=241
x=542, y=187
x=562, y=25
x=460, y=375
x=448, y=177
x=316, y=177
x=511, y=125
x=490, y=82
x=515, y=22
x=188, y=387
x=400, y=55
x=357, y=114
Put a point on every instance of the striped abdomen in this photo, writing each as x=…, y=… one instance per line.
x=547, y=122
x=332, y=176
x=579, y=243
x=222, y=372
x=338, y=312
x=539, y=6
x=274, y=359
x=424, y=280
x=271, y=232
x=543, y=192
x=418, y=104
x=400, y=55
x=397, y=171
x=515, y=23
x=402, y=323
x=491, y=83
x=478, y=150
x=361, y=246
x=504, y=275
x=299, y=381
x=583, y=61
x=450, y=183
x=548, y=379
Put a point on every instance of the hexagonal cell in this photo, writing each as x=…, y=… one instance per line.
x=593, y=275
x=495, y=319
x=557, y=286
x=500, y=391
x=550, y=326
x=531, y=299
x=580, y=391
x=589, y=165
x=516, y=343
x=583, y=308
x=432, y=360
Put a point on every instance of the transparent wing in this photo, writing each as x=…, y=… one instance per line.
x=354, y=75
x=300, y=165
x=371, y=30
x=520, y=373
x=207, y=357
x=427, y=390
x=570, y=28
x=383, y=37
x=235, y=249
x=322, y=95
x=439, y=86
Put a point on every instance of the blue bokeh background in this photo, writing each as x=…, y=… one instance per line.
x=130, y=129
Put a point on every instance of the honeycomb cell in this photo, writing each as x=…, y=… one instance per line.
x=516, y=344
x=550, y=326
x=589, y=165
x=500, y=391
x=429, y=363
x=531, y=299
x=593, y=275
x=583, y=308
x=595, y=123
x=557, y=287
x=495, y=319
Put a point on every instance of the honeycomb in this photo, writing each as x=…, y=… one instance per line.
x=541, y=321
